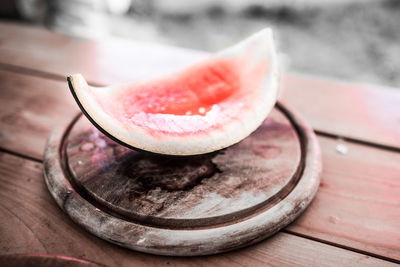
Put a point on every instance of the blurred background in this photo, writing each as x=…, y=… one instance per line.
x=355, y=40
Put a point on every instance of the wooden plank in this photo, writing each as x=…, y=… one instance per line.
x=365, y=112
x=43, y=260
x=375, y=168
x=31, y=222
x=30, y=108
x=358, y=201
x=103, y=62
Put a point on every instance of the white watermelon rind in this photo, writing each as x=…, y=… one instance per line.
x=203, y=141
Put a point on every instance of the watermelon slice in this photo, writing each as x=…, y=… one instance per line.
x=203, y=108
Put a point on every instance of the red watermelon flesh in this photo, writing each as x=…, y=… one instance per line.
x=205, y=107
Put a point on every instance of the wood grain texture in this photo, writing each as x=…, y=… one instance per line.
x=29, y=109
x=192, y=191
x=43, y=260
x=15, y=49
x=366, y=112
x=102, y=63
x=212, y=222
x=31, y=140
x=358, y=202
x=31, y=222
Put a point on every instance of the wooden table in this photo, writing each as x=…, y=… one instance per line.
x=354, y=219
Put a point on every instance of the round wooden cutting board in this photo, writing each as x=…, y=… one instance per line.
x=185, y=206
